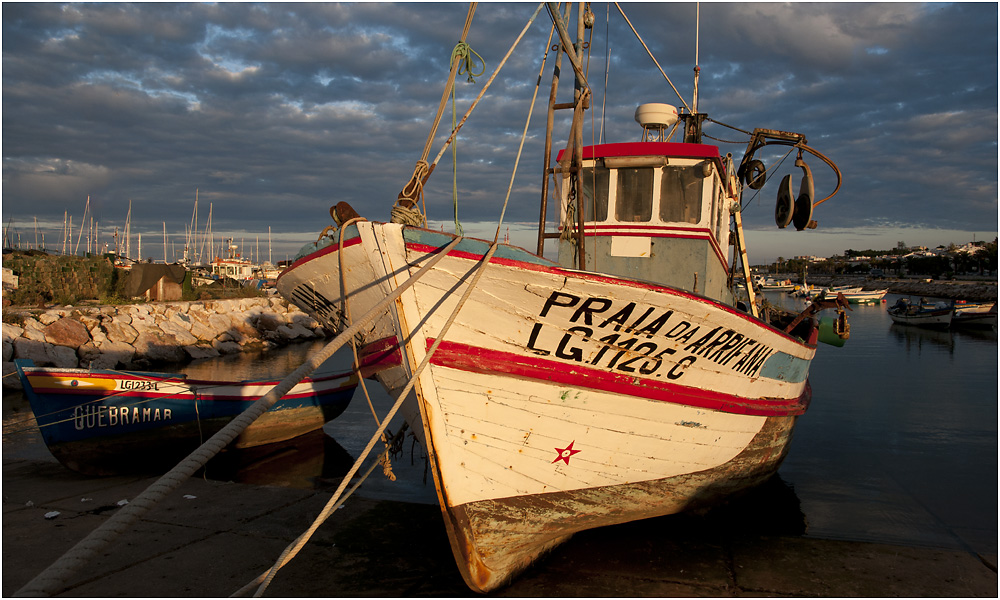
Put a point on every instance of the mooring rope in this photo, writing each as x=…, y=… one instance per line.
x=297, y=545
x=53, y=579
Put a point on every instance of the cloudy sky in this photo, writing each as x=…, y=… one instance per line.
x=274, y=112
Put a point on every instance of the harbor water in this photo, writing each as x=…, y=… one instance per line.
x=899, y=444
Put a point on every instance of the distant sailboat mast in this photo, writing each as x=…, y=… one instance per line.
x=128, y=231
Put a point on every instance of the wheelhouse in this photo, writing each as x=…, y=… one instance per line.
x=656, y=211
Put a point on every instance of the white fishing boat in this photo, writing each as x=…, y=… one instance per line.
x=233, y=265
x=861, y=296
x=974, y=314
x=922, y=314
x=774, y=285
x=621, y=382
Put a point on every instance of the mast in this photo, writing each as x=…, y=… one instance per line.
x=128, y=231
x=697, y=67
x=83, y=223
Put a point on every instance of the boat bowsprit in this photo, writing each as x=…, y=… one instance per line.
x=621, y=381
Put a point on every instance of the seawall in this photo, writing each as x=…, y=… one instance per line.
x=978, y=291
x=138, y=336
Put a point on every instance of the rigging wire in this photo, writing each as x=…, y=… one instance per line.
x=684, y=102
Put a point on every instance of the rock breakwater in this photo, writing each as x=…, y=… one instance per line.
x=979, y=291
x=141, y=335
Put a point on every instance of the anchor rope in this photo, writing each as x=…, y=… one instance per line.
x=297, y=545
x=53, y=579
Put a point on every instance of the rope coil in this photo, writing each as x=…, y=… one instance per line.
x=463, y=53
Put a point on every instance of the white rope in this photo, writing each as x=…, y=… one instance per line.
x=53, y=579
x=297, y=545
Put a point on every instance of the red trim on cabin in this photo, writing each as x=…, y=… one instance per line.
x=481, y=360
x=668, y=149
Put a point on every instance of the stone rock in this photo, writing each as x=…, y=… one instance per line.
x=138, y=311
x=11, y=332
x=294, y=331
x=208, y=325
x=87, y=353
x=10, y=378
x=179, y=319
x=268, y=321
x=33, y=330
x=33, y=350
x=113, y=355
x=303, y=319
x=201, y=351
x=64, y=357
x=183, y=336
x=227, y=347
x=89, y=321
x=158, y=347
x=98, y=336
x=44, y=354
x=67, y=332
x=48, y=318
x=119, y=330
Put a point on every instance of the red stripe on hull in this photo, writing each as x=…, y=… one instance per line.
x=324, y=251
x=481, y=360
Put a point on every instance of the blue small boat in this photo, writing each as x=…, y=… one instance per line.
x=104, y=422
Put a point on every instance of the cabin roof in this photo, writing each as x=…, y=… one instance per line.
x=669, y=149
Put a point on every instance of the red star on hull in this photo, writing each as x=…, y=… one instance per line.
x=565, y=453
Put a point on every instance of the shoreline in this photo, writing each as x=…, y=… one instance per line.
x=953, y=289
x=138, y=336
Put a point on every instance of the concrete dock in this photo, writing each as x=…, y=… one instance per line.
x=210, y=538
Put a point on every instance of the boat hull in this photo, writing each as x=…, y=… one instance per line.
x=975, y=315
x=931, y=319
x=559, y=400
x=104, y=422
x=865, y=297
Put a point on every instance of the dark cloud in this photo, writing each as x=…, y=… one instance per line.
x=275, y=111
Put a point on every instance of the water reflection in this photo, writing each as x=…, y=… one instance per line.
x=916, y=339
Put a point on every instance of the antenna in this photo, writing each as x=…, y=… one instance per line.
x=697, y=69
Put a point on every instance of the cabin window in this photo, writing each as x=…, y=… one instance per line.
x=595, y=193
x=634, y=198
x=680, y=194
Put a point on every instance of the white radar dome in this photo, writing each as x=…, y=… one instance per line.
x=656, y=115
